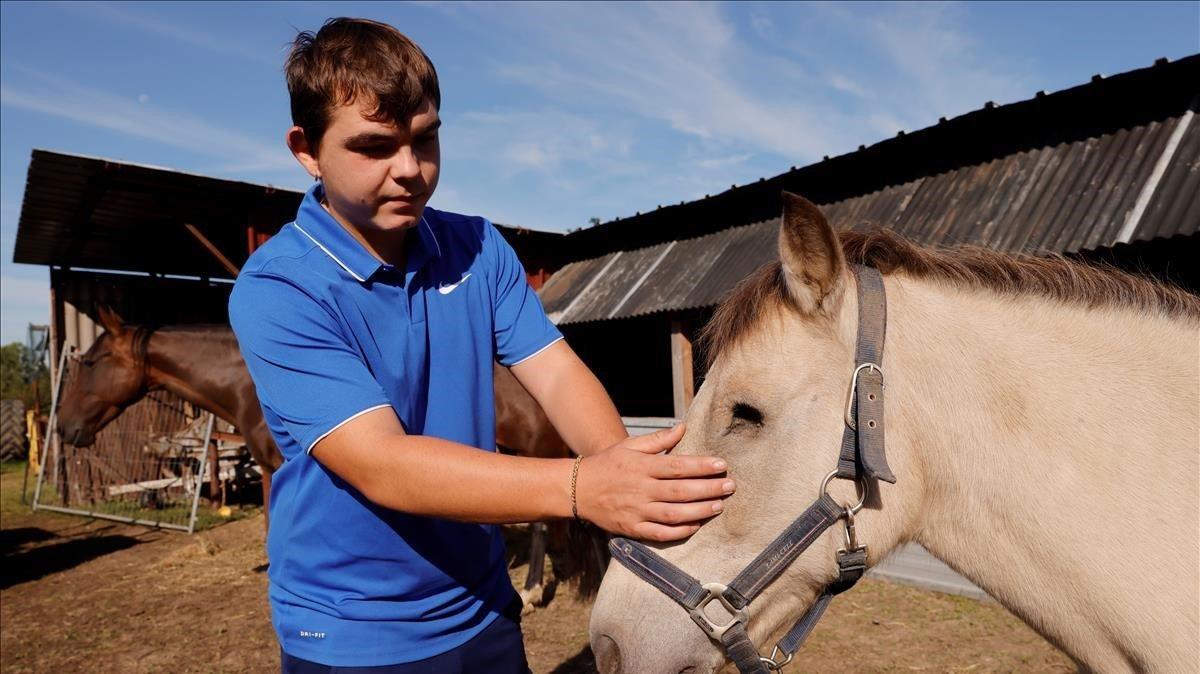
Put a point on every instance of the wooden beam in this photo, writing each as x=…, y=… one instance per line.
x=216, y=252
x=79, y=227
x=682, y=377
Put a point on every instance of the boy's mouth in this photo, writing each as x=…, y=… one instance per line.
x=403, y=201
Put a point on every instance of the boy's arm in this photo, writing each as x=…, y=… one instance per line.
x=573, y=399
x=626, y=489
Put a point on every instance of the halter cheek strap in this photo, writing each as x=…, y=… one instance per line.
x=861, y=457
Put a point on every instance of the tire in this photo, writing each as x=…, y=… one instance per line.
x=12, y=430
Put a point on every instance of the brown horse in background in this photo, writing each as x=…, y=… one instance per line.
x=202, y=365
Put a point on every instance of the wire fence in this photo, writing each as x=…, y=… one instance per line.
x=148, y=466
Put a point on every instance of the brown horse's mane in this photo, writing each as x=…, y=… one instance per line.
x=216, y=328
x=1052, y=276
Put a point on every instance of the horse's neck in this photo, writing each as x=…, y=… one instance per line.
x=198, y=366
x=1057, y=450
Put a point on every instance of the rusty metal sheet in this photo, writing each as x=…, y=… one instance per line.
x=605, y=294
x=567, y=282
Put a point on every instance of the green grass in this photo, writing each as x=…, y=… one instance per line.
x=11, y=473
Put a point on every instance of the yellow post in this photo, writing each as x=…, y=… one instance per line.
x=31, y=431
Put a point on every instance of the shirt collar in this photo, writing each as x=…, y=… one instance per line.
x=328, y=234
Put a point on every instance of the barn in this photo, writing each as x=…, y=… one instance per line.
x=1108, y=171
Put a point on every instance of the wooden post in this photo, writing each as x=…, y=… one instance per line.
x=682, y=381
x=215, y=493
x=212, y=249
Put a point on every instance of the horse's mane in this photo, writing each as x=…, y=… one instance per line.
x=206, y=328
x=1052, y=276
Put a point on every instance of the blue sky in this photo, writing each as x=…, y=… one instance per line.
x=554, y=113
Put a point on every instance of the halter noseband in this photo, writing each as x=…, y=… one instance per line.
x=861, y=459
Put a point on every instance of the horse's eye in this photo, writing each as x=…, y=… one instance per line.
x=745, y=415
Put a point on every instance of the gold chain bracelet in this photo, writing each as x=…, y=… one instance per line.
x=574, y=479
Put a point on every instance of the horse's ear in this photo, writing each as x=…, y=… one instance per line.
x=811, y=255
x=111, y=321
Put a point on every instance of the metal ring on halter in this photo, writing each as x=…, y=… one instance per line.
x=854, y=387
x=773, y=665
x=866, y=491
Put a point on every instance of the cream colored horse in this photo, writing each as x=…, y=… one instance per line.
x=1041, y=421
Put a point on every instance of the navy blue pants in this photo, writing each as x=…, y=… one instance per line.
x=499, y=648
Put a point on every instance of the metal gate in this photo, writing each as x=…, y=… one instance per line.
x=146, y=467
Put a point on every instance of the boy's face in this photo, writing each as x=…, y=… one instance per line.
x=377, y=176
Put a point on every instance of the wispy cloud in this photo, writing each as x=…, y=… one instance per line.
x=57, y=96
x=545, y=141
x=921, y=62
x=125, y=15
x=722, y=162
x=940, y=58
x=688, y=65
x=682, y=64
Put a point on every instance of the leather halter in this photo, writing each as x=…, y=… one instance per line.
x=861, y=458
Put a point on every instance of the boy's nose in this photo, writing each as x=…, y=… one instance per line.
x=405, y=165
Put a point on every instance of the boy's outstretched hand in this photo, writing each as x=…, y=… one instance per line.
x=631, y=490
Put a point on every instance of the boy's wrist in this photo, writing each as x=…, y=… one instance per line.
x=559, y=503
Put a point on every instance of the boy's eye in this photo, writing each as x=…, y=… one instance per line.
x=427, y=139
x=374, y=150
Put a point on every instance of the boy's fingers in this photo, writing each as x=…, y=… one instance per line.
x=661, y=533
x=658, y=441
x=674, y=514
x=682, y=491
x=675, y=467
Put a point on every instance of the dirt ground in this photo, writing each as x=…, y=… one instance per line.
x=87, y=596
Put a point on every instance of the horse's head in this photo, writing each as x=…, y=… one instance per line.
x=103, y=382
x=773, y=404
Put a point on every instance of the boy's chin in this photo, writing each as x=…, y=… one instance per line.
x=395, y=222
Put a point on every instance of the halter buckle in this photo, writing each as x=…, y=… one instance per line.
x=716, y=592
x=853, y=389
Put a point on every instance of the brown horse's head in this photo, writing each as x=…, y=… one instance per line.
x=104, y=381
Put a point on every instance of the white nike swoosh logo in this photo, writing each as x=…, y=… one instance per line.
x=447, y=288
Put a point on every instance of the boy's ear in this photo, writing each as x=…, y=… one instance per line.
x=298, y=143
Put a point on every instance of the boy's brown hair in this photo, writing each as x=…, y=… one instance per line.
x=356, y=59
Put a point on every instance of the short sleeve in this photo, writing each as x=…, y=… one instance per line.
x=522, y=328
x=303, y=368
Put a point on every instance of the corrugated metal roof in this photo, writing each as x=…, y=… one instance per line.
x=1140, y=102
x=1063, y=198
x=86, y=212
x=89, y=212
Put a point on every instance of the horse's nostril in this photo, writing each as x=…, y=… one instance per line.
x=608, y=655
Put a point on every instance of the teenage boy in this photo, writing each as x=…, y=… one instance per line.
x=370, y=325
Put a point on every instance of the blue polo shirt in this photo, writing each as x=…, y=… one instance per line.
x=330, y=332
